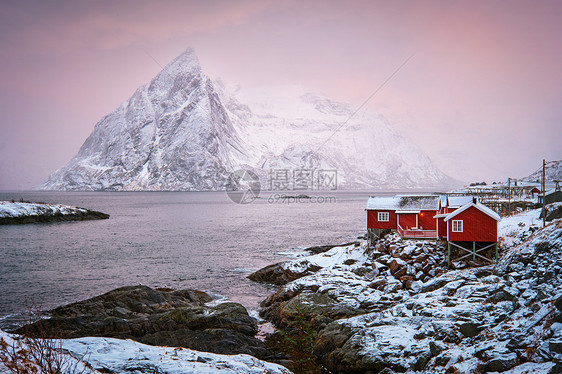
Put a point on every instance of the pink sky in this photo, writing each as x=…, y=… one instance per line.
x=482, y=95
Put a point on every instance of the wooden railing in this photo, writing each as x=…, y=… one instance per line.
x=417, y=233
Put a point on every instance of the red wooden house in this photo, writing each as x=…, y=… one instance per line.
x=411, y=215
x=472, y=228
x=448, y=204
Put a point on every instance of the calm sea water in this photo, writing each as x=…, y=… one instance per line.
x=199, y=240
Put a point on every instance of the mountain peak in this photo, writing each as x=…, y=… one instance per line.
x=186, y=63
x=188, y=57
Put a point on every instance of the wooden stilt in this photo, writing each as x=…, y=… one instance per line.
x=473, y=251
x=448, y=253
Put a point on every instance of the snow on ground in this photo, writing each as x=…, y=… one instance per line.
x=330, y=259
x=465, y=318
x=517, y=227
x=127, y=356
x=20, y=209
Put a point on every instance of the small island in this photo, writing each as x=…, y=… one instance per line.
x=12, y=212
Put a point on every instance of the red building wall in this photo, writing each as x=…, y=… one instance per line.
x=426, y=220
x=407, y=221
x=442, y=227
x=477, y=227
x=373, y=222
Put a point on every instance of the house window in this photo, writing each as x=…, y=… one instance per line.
x=457, y=226
x=383, y=216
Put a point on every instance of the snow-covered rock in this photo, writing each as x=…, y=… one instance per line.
x=505, y=318
x=183, y=131
x=126, y=356
x=25, y=212
x=108, y=355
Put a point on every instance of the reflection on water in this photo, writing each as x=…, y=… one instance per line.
x=198, y=240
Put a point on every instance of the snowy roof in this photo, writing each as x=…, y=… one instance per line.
x=481, y=207
x=458, y=201
x=403, y=202
x=383, y=203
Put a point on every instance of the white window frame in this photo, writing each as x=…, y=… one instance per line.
x=457, y=225
x=383, y=217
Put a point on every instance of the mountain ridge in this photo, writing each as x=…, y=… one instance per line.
x=183, y=131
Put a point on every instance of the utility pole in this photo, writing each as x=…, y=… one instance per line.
x=508, y=197
x=543, y=194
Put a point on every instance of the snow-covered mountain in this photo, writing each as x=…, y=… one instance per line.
x=553, y=171
x=183, y=131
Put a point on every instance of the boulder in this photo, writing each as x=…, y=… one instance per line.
x=396, y=265
x=157, y=317
x=279, y=275
x=501, y=362
x=469, y=329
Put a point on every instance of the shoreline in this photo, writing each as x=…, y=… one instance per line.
x=374, y=312
x=459, y=320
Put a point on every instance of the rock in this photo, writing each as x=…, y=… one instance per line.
x=325, y=248
x=378, y=282
x=552, y=211
x=390, y=346
x=502, y=295
x=319, y=308
x=385, y=259
x=555, y=345
x=362, y=271
x=400, y=272
x=558, y=303
x=436, y=348
x=157, y=317
x=330, y=340
x=395, y=265
x=392, y=287
x=277, y=273
x=45, y=213
x=442, y=360
x=435, y=284
x=416, y=286
x=421, y=258
x=483, y=271
x=466, y=321
x=469, y=329
x=544, y=351
x=501, y=362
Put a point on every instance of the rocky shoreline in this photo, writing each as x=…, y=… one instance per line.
x=12, y=212
x=160, y=317
x=395, y=307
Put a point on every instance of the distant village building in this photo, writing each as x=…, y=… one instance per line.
x=535, y=191
x=551, y=196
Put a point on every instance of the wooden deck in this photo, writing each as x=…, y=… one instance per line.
x=417, y=233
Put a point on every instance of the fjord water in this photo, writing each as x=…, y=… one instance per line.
x=199, y=240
